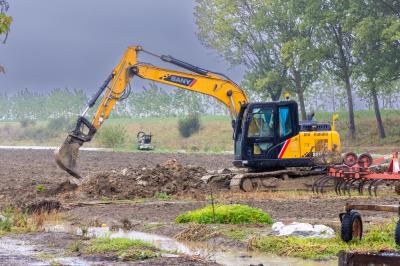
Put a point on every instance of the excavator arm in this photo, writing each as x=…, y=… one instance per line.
x=115, y=88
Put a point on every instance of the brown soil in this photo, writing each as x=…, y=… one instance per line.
x=169, y=178
x=130, y=176
x=23, y=172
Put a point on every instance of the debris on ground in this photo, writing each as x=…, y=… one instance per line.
x=196, y=232
x=42, y=205
x=170, y=178
x=303, y=230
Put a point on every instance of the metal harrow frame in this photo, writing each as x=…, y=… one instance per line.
x=356, y=173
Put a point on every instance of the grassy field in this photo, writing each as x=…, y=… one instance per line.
x=215, y=134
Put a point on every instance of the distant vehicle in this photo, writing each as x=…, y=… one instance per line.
x=144, y=141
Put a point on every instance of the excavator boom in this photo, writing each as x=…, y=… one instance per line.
x=115, y=88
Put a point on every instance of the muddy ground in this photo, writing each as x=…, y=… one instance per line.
x=31, y=175
x=24, y=171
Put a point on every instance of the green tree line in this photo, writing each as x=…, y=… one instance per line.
x=290, y=45
x=152, y=101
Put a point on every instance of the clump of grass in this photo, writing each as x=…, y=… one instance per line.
x=238, y=234
x=124, y=249
x=106, y=244
x=76, y=246
x=112, y=136
x=18, y=221
x=40, y=188
x=162, y=196
x=378, y=237
x=226, y=214
x=136, y=254
x=5, y=222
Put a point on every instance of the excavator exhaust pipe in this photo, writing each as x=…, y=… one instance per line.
x=66, y=156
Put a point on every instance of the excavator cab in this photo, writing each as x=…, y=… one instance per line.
x=263, y=134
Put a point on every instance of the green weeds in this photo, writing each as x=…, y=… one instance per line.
x=40, y=188
x=226, y=214
x=378, y=237
x=125, y=249
x=13, y=220
x=238, y=234
x=106, y=244
x=162, y=196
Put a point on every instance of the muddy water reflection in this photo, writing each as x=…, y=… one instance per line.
x=17, y=252
x=217, y=253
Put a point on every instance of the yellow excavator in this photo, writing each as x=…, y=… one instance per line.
x=268, y=137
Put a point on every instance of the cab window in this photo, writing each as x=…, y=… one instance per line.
x=261, y=123
x=285, y=122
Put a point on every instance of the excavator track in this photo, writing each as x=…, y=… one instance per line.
x=238, y=180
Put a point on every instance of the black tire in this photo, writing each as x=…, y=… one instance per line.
x=397, y=233
x=352, y=227
x=350, y=159
x=365, y=159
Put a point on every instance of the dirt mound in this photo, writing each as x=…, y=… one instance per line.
x=170, y=178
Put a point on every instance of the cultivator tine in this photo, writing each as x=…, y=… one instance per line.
x=345, y=186
x=370, y=186
x=342, y=188
x=316, y=183
x=361, y=187
x=337, y=185
x=350, y=185
x=323, y=182
x=377, y=185
x=319, y=184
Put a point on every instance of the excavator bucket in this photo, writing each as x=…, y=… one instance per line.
x=67, y=155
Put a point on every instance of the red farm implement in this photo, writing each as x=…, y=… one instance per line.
x=358, y=173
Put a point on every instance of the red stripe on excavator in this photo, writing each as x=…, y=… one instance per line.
x=192, y=83
x=282, y=152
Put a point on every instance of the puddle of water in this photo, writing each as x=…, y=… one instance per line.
x=18, y=252
x=213, y=252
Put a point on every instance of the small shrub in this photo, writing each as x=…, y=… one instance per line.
x=189, y=125
x=24, y=123
x=106, y=244
x=113, y=136
x=15, y=220
x=40, y=188
x=58, y=124
x=162, y=196
x=53, y=128
x=6, y=222
x=226, y=214
x=76, y=246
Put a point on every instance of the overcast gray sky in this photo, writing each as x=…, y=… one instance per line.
x=76, y=43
